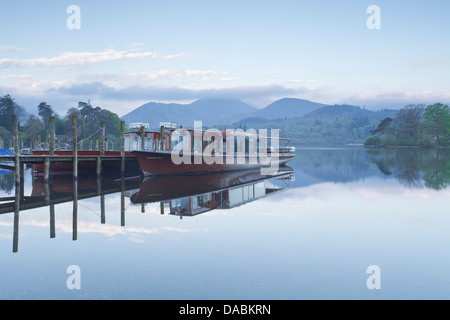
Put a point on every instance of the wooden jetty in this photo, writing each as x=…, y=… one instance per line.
x=75, y=157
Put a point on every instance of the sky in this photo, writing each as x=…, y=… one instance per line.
x=123, y=54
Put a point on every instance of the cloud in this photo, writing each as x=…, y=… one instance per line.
x=133, y=93
x=397, y=99
x=83, y=58
x=9, y=48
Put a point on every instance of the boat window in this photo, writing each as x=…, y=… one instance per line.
x=235, y=196
x=260, y=189
x=149, y=142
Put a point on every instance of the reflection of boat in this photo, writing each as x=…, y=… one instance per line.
x=192, y=195
x=195, y=151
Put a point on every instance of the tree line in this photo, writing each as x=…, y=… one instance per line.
x=33, y=129
x=414, y=125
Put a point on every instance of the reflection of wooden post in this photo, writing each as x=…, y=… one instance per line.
x=162, y=207
x=52, y=136
x=75, y=210
x=142, y=208
x=16, y=219
x=52, y=222
x=122, y=148
x=75, y=148
x=102, y=209
x=122, y=203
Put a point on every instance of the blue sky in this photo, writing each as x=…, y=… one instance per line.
x=133, y=52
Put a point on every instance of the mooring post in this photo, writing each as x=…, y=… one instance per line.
x=102, y=139
x=161, y=139
x=20, y=143
x=75, y=148
x=52, y=136
x=122, y=149
x=17, y=183
x=142, y=138
x=16, y=151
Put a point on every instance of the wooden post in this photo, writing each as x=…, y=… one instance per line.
x=46, y=170
x=16, y=151
x=161, y=139
x=122, y=149
x=52, y=136
x=90, y=144
x=75, y=147
x=102, y=139
x=99, y=167
x=17, y=184
x=39, y=142
x=142, y=138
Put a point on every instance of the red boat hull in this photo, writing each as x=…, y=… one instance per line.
x=160, y=163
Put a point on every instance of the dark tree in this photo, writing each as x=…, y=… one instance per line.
x=45, y=111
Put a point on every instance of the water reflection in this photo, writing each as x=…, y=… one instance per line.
x=193, y=195
x=415, y=168
x=411, y=167
x=185, y=195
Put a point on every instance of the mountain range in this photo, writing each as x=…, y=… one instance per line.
x=231, y=111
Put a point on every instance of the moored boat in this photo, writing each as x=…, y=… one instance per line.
x=184, y=151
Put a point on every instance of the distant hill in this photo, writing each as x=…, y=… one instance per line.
x=210, y=111
x=341, y=112
x=287, y=108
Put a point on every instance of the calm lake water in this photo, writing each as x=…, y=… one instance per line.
x=310, y=233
